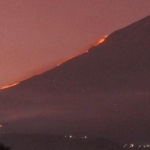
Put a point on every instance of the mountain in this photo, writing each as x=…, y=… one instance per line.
x=105, y=92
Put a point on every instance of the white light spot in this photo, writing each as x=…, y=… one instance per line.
x=131, y=145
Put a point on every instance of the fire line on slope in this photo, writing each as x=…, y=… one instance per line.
x=8, y=86
x=99, y=41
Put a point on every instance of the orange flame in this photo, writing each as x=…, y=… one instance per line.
x=101, y=40
x=8, y=86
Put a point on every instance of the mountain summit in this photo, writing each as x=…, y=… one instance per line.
x=104, y=92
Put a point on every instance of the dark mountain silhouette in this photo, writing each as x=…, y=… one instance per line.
x=103, y=92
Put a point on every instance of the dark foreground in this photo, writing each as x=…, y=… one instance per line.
x=47, y=142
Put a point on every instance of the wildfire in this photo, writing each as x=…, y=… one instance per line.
x=8, y=86
x=101, y=40
x=86, y=50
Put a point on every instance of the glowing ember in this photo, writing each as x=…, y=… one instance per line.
x=101, y=40
x=8, y=86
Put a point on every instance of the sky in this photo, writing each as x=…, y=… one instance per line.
x=36, y=35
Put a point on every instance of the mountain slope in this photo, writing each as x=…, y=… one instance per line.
x=109, y=85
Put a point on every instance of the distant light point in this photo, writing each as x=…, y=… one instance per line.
x=85, y=137
x=131, y=145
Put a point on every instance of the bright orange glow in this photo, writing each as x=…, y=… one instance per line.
x=8, y=86
x=101, y=40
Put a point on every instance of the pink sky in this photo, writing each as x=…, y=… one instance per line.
x=36, y=34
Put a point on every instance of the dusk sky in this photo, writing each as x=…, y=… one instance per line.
x=36, y=34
